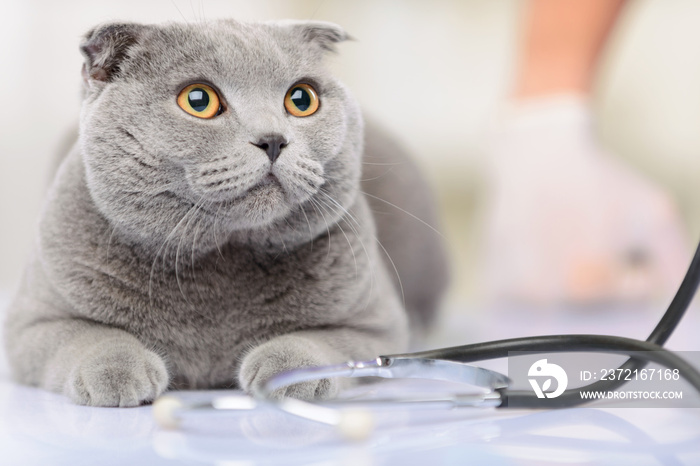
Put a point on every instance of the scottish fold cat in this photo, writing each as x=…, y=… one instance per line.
x=221, y=218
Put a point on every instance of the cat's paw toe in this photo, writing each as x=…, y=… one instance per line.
x=121, y=377
x=284, y=354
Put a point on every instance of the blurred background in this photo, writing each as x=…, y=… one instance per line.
x=562, y=137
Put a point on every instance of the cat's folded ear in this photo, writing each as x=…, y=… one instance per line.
x=321, y=34
x=106, y=47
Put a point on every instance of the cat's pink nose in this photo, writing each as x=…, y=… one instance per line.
x=272, y=144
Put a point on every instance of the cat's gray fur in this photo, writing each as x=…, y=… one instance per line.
x=163, y=261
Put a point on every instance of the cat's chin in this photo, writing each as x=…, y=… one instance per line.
x=262, y=205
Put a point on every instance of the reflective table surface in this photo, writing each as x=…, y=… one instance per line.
x=42, y=428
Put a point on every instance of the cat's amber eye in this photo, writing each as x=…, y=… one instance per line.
x=301, y=100
x=199, y=100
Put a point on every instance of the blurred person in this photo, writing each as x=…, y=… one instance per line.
x=568, y=224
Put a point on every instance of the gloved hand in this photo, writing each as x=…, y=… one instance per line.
x=568, y=223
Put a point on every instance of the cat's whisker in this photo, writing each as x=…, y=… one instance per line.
x=201, y=7
x=179, y=244
x=371, y=268
x=165, y=242
x=378, y=176
x=352, y=217
x=197, y=12
x=391, y=168
x=405, y=212
x=198, y=205
x=133, y=156
x=194, y=12
x=359, y=237
x=179, y=11
x=396, y=270
x=381, y=164
x=352, y=249
x=194, y=238
x=109, y=240
x=284, y=246
x=121, y=199
x=293, y=227
x=320, y=4
x=216, y=231
x=192, y=256
x=306, y=217
x=156, y=191
x=337, y=213
x=316, y=207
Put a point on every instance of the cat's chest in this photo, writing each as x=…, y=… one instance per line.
x=236, y=282
x=232, y=289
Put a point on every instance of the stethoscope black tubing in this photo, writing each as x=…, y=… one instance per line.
x=673, y=315
x=644, y=351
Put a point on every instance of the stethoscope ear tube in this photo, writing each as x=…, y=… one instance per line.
x=645, y=351
x=679, y=305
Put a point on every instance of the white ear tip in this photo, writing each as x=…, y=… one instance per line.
x=165, y=411
x=356, y=424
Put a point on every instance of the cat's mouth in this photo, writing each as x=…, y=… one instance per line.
x=269, y=186
x=267, y=183
x=266, y=186
x=264, y=201
x=267, y=179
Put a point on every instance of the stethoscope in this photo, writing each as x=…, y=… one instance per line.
x=451, y=364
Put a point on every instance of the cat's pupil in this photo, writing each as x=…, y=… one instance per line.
x=301, y=99
x=198, y=99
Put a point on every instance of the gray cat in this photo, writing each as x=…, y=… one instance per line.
x=209, y=227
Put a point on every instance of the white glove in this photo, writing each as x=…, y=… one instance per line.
x=569, y=224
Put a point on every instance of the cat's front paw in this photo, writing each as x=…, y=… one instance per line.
x=283, y=354
x=117, y=376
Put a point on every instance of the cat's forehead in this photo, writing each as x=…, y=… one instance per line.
x=253, y=53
